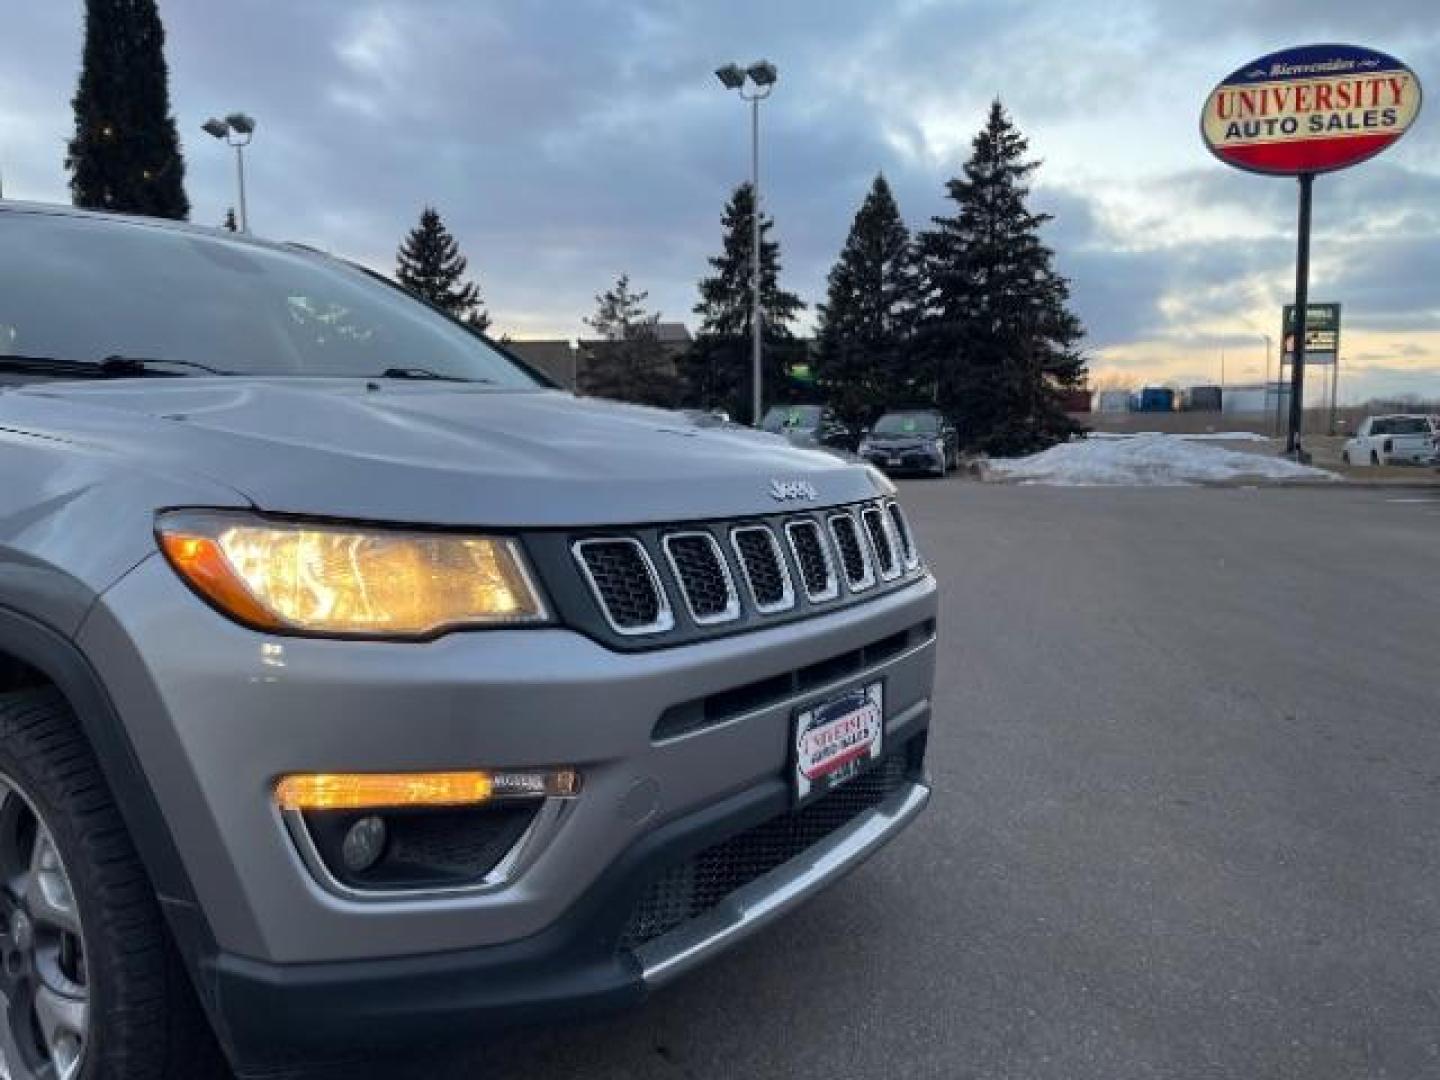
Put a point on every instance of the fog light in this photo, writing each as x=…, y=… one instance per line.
x=364, y=844
x=377, y=791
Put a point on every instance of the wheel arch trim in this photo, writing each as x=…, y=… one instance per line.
x=66, y=667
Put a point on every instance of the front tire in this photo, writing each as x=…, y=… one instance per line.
x=91, y=987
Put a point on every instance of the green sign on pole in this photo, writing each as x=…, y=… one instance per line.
x=1322, y=334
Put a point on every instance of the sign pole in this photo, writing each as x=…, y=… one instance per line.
x=1334, y=390
x=1302, y=311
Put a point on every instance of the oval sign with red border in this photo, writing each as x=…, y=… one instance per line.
x=1313, y=109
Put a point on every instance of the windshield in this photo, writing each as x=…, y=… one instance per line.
x=918, y=423
x=1403, y=425
x=76, y=289
x=791, y=417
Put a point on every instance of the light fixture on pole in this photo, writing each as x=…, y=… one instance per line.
x=235, y=130
x=762, y=76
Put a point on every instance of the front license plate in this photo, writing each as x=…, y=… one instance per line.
x=837, y=739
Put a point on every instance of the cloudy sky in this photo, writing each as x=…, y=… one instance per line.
x=567, y=142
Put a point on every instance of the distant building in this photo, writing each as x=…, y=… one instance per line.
x=1201, y=399
x=1153, y=399
x=1112, y=401
x=555, y=357
x=1260, y=399
x=674, y=334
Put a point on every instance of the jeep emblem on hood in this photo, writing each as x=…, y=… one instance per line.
x=793, y=491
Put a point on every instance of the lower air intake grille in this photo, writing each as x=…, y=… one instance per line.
x=694, y=886
x=625, y=584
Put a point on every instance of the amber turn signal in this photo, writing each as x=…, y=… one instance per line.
x=389, y=791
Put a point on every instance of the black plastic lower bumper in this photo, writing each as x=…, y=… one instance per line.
x=276, y=1018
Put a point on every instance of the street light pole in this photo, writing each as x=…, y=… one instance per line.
x=240, y=182
x=756, y=316
x=762, y=75
x=1294, y=439
x=1265, y=396
x=235, y=130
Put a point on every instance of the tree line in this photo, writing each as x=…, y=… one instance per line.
x=968, y=315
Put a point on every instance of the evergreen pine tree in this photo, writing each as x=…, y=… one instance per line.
x=430, y=265
x=718, y=366
x=125, y=154
x=229, y=222
x=863, y=355
x=997, y=330
x=629, y=362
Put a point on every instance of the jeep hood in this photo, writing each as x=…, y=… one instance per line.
x=435, y=453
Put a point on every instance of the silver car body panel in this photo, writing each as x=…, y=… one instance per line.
x=217, y=712
x=434, y=454
x=214, y=713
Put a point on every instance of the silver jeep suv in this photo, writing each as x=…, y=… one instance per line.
x=359, y=688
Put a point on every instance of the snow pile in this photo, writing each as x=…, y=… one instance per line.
x=1198, y=436
x=1225, y=436
x=1147, y=460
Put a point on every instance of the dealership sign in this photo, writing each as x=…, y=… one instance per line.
x=1310, y=110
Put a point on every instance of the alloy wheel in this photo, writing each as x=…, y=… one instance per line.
x=44, y=984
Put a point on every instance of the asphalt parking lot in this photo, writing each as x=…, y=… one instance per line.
x=1187, y=819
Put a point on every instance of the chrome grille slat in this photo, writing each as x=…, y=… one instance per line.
x=624, y=582
x=854, y=553
x=703, y=575
x=762, y=564
x=883, y=544
x=813, y=559
x=745, y=573
x=902, y=532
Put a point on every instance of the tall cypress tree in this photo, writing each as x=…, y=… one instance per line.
x=997, y=331
x=863, y=358
x=430, y=265
x=125, y=154
x=718, y=366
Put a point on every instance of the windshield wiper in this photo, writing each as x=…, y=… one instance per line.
x=119, y=365
x=426, y=374
x=48, y=365
x=112, y=367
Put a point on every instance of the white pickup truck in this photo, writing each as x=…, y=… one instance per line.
x=1402, y=439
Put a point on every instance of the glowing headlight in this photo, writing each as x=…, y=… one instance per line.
x=348, y=580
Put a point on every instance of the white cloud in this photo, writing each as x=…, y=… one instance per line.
x=567, y=142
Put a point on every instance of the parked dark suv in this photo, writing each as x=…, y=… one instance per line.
x=359, y=689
